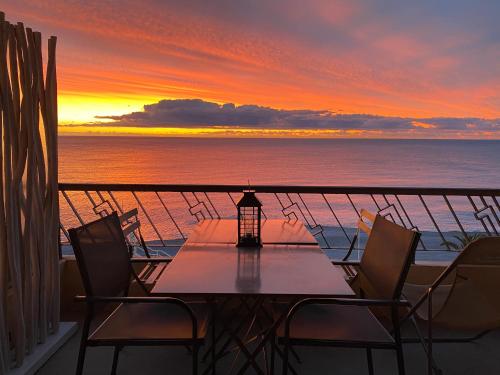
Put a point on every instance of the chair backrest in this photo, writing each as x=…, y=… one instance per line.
x=102, y=255
x=389, y=250
x=484, y=251
x=131, y=227
x=473, y=301
x=366, y=218
x=130, y=222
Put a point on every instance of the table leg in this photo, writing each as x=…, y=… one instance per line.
x=248, y=312
x=215, y=307
x=266, y=337
x=233, y=332
x=214, y=321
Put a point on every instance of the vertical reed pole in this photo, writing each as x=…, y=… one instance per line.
x=52, y=203
x=15, y=325
x=29, y=207
x=4, y=334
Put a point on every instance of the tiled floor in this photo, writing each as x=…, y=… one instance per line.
x=481, y=357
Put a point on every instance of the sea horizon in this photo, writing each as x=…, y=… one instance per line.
x=173, y=136
x=357, y=161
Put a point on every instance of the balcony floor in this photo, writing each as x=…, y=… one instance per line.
x=476, y=358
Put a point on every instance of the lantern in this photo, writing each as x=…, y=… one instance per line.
x=249, y=218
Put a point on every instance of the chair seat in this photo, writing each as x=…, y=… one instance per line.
x=151, y=321
x=336, y=324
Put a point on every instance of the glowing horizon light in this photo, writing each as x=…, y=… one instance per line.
x=185, y=132
x=236, y=132
x=343, y=57
x=83, y=108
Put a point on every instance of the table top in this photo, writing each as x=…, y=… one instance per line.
x=273, y=232
x=274, y=270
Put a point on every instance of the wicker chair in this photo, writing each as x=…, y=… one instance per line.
x=106, y=270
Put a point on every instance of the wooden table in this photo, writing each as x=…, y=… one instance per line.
x=289, y=265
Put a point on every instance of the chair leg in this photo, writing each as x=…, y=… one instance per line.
x=280, y=354
x=430, y=358
x=81, y=356
x=401, y=362
x=422, y=341
x=445, y=340
x=273, y=353
x=214, y=336
x=369, y=359
x=83, y=342
x=397, y=339
x=286, y=349
x=295, y=354
x=195, y=359
x=116, y=354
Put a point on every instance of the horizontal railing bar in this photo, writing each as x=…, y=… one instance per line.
x=280, y=189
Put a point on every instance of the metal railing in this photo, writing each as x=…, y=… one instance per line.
x=168, y=212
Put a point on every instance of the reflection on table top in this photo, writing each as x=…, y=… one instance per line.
x=273, y=270
x=273, y=232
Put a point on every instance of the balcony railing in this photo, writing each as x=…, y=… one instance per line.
x=168, y=212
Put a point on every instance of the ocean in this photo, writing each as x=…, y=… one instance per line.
x=344, y=162
x=325, y=162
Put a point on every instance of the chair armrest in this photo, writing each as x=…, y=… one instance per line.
x=150, y=260
x=351, y=301
x=101, y=299
x=345, y=263
x=346, y=301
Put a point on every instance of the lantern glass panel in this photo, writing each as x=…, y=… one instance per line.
x=249, y=221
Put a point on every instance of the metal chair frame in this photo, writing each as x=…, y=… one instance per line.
x=394, y=303
x=351, y=267
x=92, y=300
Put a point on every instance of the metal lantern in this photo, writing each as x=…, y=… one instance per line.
x=249, y=220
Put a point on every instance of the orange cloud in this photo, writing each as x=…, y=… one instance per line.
x=349, y=58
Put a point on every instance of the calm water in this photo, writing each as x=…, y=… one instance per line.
x=282, y=161
x=440, y=163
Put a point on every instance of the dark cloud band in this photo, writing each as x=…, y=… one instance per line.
x=199, y=113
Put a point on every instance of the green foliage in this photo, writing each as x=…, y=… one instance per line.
x=461, y=240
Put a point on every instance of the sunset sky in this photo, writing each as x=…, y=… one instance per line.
x=274, y=68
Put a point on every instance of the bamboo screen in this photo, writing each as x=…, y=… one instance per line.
x=29, y=211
